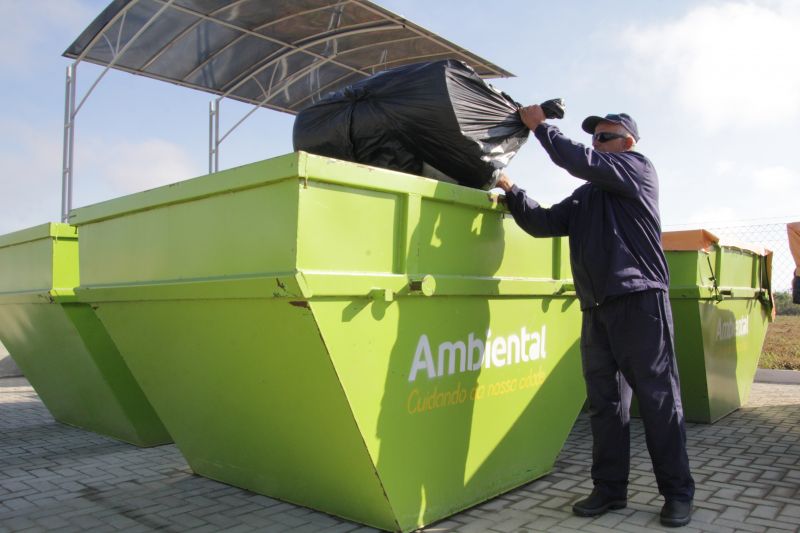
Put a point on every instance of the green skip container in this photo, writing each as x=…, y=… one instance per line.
x=346, y=338
x=721, y=305
x=61, y=346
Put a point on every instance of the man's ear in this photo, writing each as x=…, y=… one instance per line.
x=629, y=142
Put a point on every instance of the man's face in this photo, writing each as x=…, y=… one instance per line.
x=617, y=144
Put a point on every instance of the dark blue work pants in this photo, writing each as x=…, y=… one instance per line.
x=627, y=343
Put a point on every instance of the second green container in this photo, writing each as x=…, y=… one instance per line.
x=59, y=343
x=721, y=305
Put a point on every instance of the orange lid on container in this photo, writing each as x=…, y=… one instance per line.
x=688, y=240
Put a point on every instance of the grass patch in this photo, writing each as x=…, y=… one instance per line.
x=782, y=344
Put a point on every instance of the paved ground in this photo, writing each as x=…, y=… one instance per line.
x=54, y=477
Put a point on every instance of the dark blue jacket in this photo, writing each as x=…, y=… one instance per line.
x=613, y=222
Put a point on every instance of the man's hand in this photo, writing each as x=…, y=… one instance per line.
x=532, y=116
x=504, y=183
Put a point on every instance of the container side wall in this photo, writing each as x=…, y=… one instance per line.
x=27, y=266
x=691, y=357
x=251, y=398
x=461, y=240
x=441, y=414
x=348, y=229
x=733, y=334
x=688, y=269
x=720, y=325
x=203, y=238
x=45, y=342
x=738, y=267
x=117, y=381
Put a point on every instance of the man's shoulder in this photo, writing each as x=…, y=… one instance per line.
x=636, y=160
x=583, y=190
x=633, y=155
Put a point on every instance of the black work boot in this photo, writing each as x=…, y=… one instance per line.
x=676, y=513
x=598, y=503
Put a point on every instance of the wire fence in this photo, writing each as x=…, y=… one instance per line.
x=769, y=235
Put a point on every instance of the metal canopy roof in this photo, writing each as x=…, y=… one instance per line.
x=280, y=54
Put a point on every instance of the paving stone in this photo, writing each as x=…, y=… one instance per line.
x=764, y=511
x=54, y=477
x=775, y=525
x=510, y=524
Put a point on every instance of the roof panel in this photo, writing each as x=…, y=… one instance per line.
x=257, y=14
x=282, y=54
x=205, y=7
x=300, y=88
x=373, y=56
x=280, y=75
x=157, y=38
x=196, y=47
x=229, y=66
x=330, y=20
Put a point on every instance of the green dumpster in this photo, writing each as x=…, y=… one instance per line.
x=347, y=338
x=721, y=305
x=59, y=343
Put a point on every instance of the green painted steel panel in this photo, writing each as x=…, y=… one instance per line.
x=721, y=308
x=247, y=390
x=61, y=346
x=323, y=360
x=475, y=429
x=172, y=247
x=28, y=262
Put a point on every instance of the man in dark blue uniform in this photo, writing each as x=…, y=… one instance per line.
x=621, y=278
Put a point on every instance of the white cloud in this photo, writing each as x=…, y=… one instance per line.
x=27, y=26
x=778, y=180
x=726, y=64
x=723, y=167
x=30, y=175
x=743, y=194
x=712, y=215
x=125, y=167
x=30, y=171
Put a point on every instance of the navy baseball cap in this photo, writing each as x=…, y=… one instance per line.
x=623, y=119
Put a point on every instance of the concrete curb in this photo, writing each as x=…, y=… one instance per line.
x=784, y=377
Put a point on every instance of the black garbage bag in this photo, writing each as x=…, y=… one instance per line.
x=439, y=114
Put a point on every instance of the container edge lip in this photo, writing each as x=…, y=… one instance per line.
x=400, y=182
x=58, y=230
x=191, y=189
x=41, y=295
x=314, y=285
x=298, y=165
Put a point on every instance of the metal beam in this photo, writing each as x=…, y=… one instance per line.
x=185, y=32
x=71, y=109
x=447, y=44
x=352, y=30
x=243, y=35
x=69, y=143
x=247, y=32
x=120, y=53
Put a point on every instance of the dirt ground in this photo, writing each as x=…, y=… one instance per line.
x=782, y=344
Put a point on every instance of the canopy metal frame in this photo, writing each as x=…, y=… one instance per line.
x=71, y=109
x=118, y=43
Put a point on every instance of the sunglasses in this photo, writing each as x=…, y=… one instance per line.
x=605, y=136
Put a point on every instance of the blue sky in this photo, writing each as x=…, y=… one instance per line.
x=713, y=85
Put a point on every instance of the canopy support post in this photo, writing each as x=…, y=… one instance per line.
x=213, y=136
x=212, y=145
x=71, y=109
x=67, y=165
